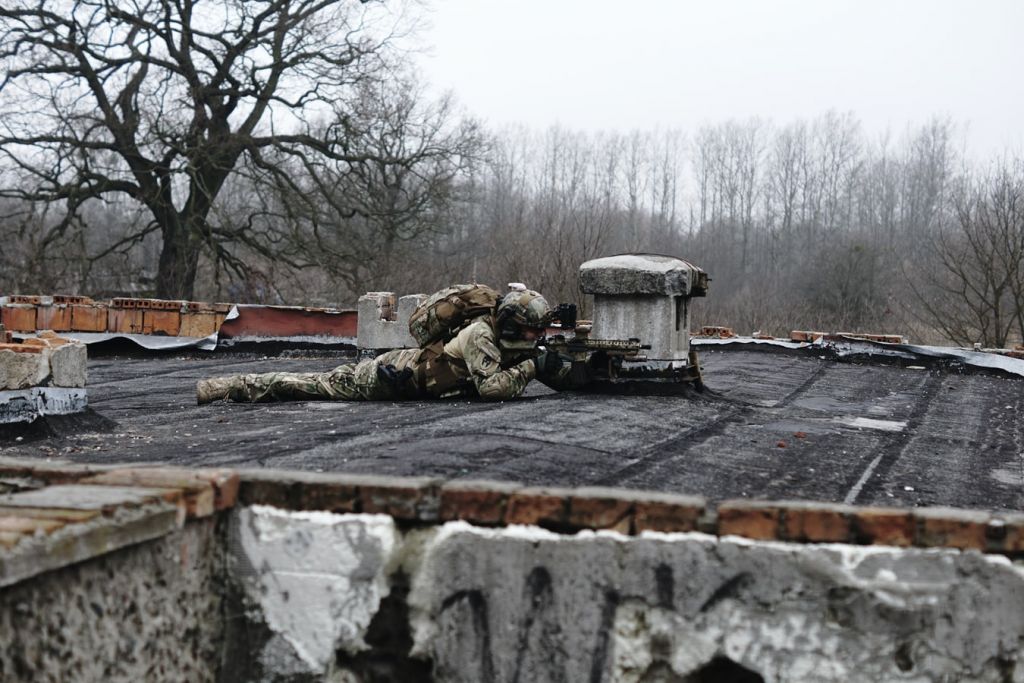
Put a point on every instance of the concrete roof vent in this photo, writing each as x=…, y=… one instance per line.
x=643, y=274
x=645, y=297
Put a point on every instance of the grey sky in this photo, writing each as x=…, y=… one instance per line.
x=596, y=64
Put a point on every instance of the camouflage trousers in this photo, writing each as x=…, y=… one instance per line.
x=361, y=381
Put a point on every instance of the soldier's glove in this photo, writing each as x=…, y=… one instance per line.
x=548, y=363
x=396, y=378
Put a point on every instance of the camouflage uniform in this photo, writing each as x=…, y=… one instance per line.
x=471, y=364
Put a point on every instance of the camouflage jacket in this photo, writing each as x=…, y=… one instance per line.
x=477, y=358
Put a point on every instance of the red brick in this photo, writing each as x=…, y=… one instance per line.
x=206, y=489
x=805, y=335
x=56, y=318
x=410, y=498
x=23, y=348
x=716, y=331
x=30, y=299
x=89, y=318
x=953, y=528
x=29, y=525
x=883, y=526
x=667, y=513
x=750, y=519
x=128, y=302
x=338, y=496
x=49, y=472
x=58, y=514
x=18, y=317
x=198, y=323
x=478, y=502
x=538, y=506
x=9, y=539
x=124, y=320
x=196, y=496
x=815, y=522
x=71, y=299
x=161, y=321
x=602, y=508
x=1006, y=533
x=46, y=339
x=279, y=494
x=292, y=490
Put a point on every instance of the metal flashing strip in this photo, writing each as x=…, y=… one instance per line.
x=152, y=342
x=853, y=346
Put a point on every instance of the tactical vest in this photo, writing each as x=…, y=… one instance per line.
x=437, y=321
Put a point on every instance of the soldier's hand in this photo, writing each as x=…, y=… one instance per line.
x=548, y=363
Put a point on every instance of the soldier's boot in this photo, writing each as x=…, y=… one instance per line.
x=215, y=388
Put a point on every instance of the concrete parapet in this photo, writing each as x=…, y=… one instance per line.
x=359, y=578
x=383, y=322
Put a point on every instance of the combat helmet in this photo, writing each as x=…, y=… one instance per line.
x=522, y=308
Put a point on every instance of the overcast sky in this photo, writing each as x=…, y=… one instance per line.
x=597, y=64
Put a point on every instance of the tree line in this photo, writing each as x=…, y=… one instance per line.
x=283, y=151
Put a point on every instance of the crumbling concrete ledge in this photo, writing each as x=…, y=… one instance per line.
x=526, y=604
x=303, y=577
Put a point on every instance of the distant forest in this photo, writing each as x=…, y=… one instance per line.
x=172, y=175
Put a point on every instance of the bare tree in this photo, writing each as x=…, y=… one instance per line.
x=974, y=293
x=161, y=100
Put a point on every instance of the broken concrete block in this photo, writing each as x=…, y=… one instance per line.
x=384, y=325
x=317, y=578
x=68, y=365
x=23, y=370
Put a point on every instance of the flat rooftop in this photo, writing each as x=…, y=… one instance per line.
x=775, y=425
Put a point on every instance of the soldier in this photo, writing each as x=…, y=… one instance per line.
x=492, y=356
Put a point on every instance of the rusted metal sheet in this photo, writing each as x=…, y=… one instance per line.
x=290, y=321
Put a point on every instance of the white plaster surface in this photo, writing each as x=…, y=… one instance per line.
x=317, y=577
x=25, y=405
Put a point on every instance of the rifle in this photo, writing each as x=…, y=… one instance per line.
x=603, y=359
